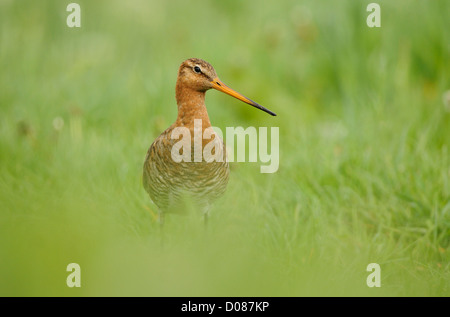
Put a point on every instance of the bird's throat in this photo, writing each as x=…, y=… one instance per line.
x=191, y=106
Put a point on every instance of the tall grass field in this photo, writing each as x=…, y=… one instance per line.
x=364, y=141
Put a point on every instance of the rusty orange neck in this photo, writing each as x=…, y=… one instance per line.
x=191, y=106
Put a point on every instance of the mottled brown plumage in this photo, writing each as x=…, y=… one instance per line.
x=167, y=181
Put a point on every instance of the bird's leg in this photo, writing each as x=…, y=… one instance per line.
x=206, y=216
x=205, y=219
x=161, y=225
x=161, y=219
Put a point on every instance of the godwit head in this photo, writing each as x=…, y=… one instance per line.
x=197, y=75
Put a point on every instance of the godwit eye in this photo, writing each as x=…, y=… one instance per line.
x=197, y=70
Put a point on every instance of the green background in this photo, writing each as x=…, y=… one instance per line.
x=364, y=116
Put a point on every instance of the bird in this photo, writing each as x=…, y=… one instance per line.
x=170, y=182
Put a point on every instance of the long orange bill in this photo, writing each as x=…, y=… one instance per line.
x=220, y=86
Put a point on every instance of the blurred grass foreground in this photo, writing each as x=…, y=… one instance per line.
x=364, y=177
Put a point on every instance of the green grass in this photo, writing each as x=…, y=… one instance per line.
x=364, y=148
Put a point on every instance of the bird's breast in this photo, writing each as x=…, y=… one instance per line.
x=166, y=177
